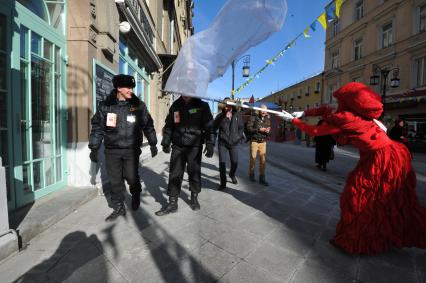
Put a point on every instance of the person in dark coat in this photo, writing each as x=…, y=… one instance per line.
x=119, y=122
x=323, y=149
x=399, y=132
x=259, y=127
x=231, y=133
x=188, y=126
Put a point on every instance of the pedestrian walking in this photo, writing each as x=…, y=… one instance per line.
x=120, y=121
x=259, y=127
x=399, y=132
x=230, y=127
x=323, y=149
x=379, y=206
x=188, y=126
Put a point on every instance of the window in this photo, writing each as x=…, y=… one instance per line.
x=358, y=49
x=308, y=90
x=172, y=36
x=420, y=67
x=318, y=87
x=387, y=37
x=336, y=27
x=359, y=10
x=130, y=63
x=335, y=59
x=328, y=99
x=422, y=20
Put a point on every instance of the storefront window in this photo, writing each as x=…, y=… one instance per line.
x=130, y=63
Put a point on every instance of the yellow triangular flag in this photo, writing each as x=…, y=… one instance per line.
x=338, y=6
x=323, y=20
x=305, y=32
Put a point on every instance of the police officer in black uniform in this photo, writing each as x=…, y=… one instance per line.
x=188, y=126
x=119, y=121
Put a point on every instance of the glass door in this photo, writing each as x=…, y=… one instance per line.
x=39, y=107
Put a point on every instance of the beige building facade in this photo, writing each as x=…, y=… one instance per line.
x=373, y=37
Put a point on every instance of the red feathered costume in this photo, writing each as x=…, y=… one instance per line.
x=379, y=206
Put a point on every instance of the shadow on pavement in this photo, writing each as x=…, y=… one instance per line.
x=75, y=260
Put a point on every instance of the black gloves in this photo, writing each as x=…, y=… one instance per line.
x=94, y=156
x=154, y=150
x=166, y=148
x=209, y=150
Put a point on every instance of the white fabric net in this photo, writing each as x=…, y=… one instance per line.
x=239, y=25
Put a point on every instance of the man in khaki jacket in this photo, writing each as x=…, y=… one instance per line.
x=258, y=127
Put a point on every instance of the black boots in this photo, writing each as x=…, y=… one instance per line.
x=263, y=181
x=195, y=205
x=119, y=210
x=233, y=179
x=221, y=187
x=171, y=207
x=252, y=178
x=136, y=201
x=234, y=166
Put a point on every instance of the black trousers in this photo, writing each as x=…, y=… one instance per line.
x=233, y=155
x=181, y=156
x=123, y=164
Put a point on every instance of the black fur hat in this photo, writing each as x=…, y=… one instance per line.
x=123, y=81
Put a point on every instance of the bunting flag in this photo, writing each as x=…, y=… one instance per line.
x=314, y=26
x=322, y=20
x=338, y=6
x=330, y=12
x=306, y=33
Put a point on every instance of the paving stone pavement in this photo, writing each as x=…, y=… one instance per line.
x=247, y=233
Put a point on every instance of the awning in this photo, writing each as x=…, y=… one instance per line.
x=167, y=60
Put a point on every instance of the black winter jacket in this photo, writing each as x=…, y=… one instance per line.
x=188, y=124
x=253, y=126
x=133, y=118
x=230, y=131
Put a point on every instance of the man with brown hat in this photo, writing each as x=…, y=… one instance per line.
x=119, y=121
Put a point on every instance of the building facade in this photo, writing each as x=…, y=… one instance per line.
x=373, y=37
x=57, y=60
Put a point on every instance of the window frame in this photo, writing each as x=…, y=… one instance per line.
x=389, y=32
x=359, y=10
x=357, y=45
x=334, y=63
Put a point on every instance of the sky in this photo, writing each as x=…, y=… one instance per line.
x=303, y=60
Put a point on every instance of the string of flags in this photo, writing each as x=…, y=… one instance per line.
x=332, y=12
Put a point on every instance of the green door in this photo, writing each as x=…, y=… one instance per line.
x=37, y=103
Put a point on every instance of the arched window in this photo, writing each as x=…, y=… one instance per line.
x=51, y=11
x=37, y=7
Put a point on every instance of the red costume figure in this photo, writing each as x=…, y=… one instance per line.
x=379, y=206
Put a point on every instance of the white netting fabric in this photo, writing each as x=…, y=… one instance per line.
x=239, y=25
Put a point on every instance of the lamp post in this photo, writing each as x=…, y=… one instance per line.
x=246, y=70
x=384, y=74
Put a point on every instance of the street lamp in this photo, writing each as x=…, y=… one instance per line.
x=384, y=73
x=246, y=70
